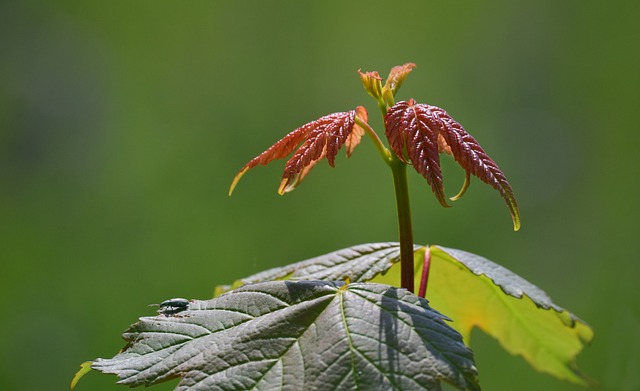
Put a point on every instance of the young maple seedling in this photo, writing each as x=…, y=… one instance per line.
x=417, y=134
x=277, y=329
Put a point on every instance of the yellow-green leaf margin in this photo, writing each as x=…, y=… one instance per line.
x=473, y=292
x=525, y=321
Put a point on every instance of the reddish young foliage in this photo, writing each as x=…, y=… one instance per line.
x=321, y=138
x=372, y=82
x=418, y=133
x=396, y=78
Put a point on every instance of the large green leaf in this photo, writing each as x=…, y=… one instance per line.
x=473, y=292
x=359, y=263
x=307, y=335
x=476, y=292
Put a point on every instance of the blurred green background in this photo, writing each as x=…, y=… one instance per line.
x=122, y=124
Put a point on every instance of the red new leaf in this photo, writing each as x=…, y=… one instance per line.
x=397, y=76
x=321, y=138
x=417, y=133
x=408, y=133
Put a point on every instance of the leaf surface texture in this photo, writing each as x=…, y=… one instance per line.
x=311, y=142
x=476, y=292
x=473, y=291
x=306, y=335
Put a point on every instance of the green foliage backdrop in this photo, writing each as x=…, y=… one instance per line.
x=122, y=124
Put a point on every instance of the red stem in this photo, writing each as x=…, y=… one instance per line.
x=426, y=266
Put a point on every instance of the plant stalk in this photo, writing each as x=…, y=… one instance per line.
x=399, y=170
x=405, y=229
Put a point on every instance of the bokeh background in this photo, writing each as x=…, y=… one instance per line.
x=122, y=124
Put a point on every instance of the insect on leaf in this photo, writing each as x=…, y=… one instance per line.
x=314, y=141
x=307, y=335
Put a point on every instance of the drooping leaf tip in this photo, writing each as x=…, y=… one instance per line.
x=445, y=205
x=284, y=187
x=516, y=220
x=513, y=207
x=236, y=179
x=465, y=186
x=84, y=368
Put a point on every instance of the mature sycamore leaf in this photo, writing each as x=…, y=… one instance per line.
x=320, y=139
x=305, y=335
x=422, y=132
x=476, y=292
x=472, y=291
x=359, y=263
